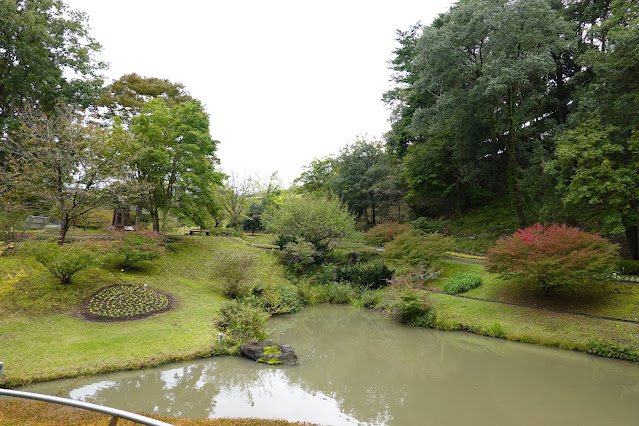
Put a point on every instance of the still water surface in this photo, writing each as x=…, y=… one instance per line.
x=358, y=367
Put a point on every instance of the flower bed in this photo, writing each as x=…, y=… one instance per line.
x=125, y=302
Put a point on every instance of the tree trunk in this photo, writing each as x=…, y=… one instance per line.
x=138, y=215
x=631, y=239
x=513, y=164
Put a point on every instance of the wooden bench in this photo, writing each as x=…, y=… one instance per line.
x=199, y=231
x=223, y=233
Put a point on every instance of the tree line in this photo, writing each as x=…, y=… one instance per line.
x=531, y=101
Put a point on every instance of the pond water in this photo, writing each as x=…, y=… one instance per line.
x=358, y=367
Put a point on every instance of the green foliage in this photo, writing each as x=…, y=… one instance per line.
x=461, y=282
x=496, y=330
x=65, y=261
x=125, y=302
x=371, y=299
x=410, y=307
x=299, y=255
x=338, y=293
x=314, y=218
x=282, y=240
x=134, y=247
x=427, y=225
x=384, y=233
x=628, y=267
x=415, y=248
x=241, y=323
x=414, y=278
x=611, y=349
x=233, y=267
x=374, y=274
x=553, y=255
x=274, y=299
x=272, y=350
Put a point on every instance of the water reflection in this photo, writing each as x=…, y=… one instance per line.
x=357, y=367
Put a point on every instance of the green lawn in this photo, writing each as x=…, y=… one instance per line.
x=42, y=338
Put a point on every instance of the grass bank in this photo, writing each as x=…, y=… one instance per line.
x=43, y=338
x=27, y=413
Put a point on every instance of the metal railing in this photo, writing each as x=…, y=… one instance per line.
x=113, y=412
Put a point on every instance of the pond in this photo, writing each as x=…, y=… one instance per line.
x=358, y=367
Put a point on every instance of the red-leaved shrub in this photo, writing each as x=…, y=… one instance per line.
x=553, y=255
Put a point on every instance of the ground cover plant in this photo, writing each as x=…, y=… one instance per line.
x=461, y=282
x=126, y=302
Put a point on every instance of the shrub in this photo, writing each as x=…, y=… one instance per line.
x=416, y=248
x=553, y=255
x=628, y=267
x=427, y=225
x=233, y=267
x=274, y=298
x=338, y=293
x=415, y=278
x=384, y=233
x=299, y=255
x=241, y=323
x=65, y=261
x=412, y=308
x=461, y=282
x=135, y=247
x=372, y=275
x=282, y=240
x=370, y=299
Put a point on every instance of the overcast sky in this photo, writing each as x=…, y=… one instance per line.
x=284, y=82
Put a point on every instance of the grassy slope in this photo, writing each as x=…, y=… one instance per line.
x=568, y=331
x=41, y=338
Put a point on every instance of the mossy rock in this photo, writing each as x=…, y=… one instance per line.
x=269, y=353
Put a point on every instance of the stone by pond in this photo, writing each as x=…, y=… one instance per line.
x=269, y=353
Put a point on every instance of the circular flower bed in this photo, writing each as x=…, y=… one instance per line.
x=126, y=302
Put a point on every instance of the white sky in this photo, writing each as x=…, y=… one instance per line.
x=284, y=81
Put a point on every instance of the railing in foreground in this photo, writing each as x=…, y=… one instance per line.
x=113, y=412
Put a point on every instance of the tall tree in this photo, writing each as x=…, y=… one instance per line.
x=46, y=55
x=177, y=153
x=234, y=196
x=364, y=179
x=68, y=164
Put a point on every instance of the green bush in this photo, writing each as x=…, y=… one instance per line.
x=415, y=278
x=299, y=255
x=370, y=299
x=241, y=323
x=411, y=308
x=65, y=261
x=372, y=275
x=274, y=298
x=338, y=293
x=427, y=225
x=135, y=247
x=233, y=267
x=628, y=267
x=385, y=233
x=416, y=248
x=461, y=282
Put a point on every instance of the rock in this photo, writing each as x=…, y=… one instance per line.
x=269, y=353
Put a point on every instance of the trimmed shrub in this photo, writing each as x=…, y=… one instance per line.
x=241, y=323
x=461, y=282
x=372, y=275
x=385, y=233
